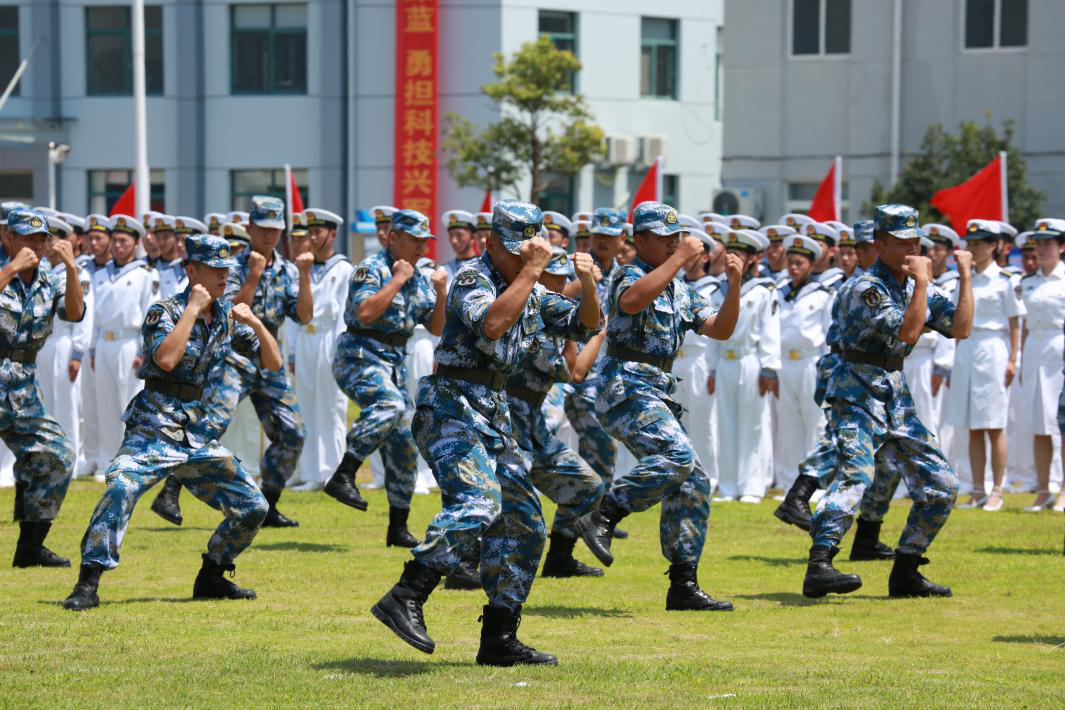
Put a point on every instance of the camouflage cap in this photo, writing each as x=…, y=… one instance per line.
x=863, y=232
x=560, y=264
x=210, y=250
x=515, y=222
x=900, y=221
x=267, y=212
x=608, y=221
x=657, y=218
x=25, y=221
x=412, y=222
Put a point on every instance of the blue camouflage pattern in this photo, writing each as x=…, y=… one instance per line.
x=374, y=374
x=463, y=430
x=515, y=222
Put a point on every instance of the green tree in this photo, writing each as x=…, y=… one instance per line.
x=946, y=159
x=544, y=128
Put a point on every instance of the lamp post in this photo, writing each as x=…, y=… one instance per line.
x=57, y=153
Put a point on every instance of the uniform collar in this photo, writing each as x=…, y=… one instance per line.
x=992, y=270
x=1058, y=272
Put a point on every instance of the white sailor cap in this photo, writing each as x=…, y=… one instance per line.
x=77, y=223
x=926, y=243
x=46, y=211
x=804, y=246
x=214, y=220
x=1024, y=241
x=238, y=216
x=581, y=215
x=189, y=225
x=689, y=222
x=742, y=221
x=983, y=229
x=776, y=232
x=747, y=240
x=382, y=214
x=98, y=223
x=127, y=225
x=57, y=227
x=558, y=222
x=821, y=231
x=482, y=220
x=159, y=223
x=796, y=220
x=941, y=234
x=317, y=217
x=705, y=217
x=234, y=232
x=717, y=230
x=1049, y=227
x=457, y=218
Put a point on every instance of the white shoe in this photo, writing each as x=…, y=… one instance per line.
x=1038, y=505
x=99, y=478
x=421, y=489
x=750, y=499
x=973, y=502
x=994, y=503
x=308, y=486
x=724, y=499
x=372, y=485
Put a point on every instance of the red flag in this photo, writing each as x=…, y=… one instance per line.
x=650, y=189
x=983, y=196
x=297, y=200
x=826, y=204
x=126, y=204
x=486, y=204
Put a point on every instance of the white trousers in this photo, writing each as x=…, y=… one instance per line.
x=799, y=420
x=918, y=367
x=116, y=385
x=245, y=437
x=61, y=397
x=691, y=372
x=741, y=422
x=322, y=404
x=7, y=467
x=89, y=459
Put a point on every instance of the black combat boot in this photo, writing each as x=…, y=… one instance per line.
x=795, y=510
x=597, y=529
x=212, y=584
x=620, y=534
x=466, y=576
x=274, y=517
x=822, y=578
x=341, y=485
x=400, y=609
x=30, y=550
x=685, y=595
x=166, y=504
x=867, y=545
x=906, y=581
x=499, y=641
x=559, y=561
x=84, y=595
x=398, y=535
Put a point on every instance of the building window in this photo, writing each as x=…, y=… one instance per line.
x=109, y=50
x=106, y=186
x=246, y=183
x=9, y=45
x=990, y=24
x=269, y=49
x=719, y=73
x=671, y=190
x=16, y=187
x=801, y=195
x=561, y=29
x=558, y=195
x=658, y=58
x=820, y=27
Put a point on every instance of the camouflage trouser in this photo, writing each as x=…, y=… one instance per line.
x=864, y=442
x=487, y=495
x=383, y=422
x=822, y=464
x=211, y=473
x=275, y=403
x=44, y=459
x=594, y=444
x=668, y=471
x=557, y=471
x=555, y=408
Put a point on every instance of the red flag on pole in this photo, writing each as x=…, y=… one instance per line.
x=486, y=204
x=126, y=203
x=650, y=189
x=828, y=198
x=297, y=199
x=983, y=196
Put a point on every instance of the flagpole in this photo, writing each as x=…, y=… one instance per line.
x=1005, y=189
x=837, y=188
x=142, y=187
x=288, y=196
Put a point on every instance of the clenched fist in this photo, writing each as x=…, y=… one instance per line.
x=65, y=252
x=584, y=267
x=256, y=263
x=439, y=279
x=242, y=314
x=919, y=268
x=25, y=259
x=689, y=247
x=733, y=268
x=199, y=299
x=964, y=260
x=305, y=261
x=402, y=271
x=536, y=252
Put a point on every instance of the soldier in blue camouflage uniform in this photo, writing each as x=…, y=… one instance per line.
x=495, y=309
x=878, y=317
x=387, y=298
x=649, y=311
x=30, y=298
x=556, y=470
x=274, y=288
x=186, y=339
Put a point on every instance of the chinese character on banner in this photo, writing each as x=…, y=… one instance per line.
x=415, y=150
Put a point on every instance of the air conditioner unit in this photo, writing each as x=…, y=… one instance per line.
x=651, y=147
x=620, y=150
x=739, y=200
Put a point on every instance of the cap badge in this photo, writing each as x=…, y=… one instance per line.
x=224, y=253
x=530, y=231
x=910, y=221
x=671, y=217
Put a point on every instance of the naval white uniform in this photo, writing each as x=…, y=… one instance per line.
x=89, y=458
x=172, y=277
x=921, y=364
x=1044, y=347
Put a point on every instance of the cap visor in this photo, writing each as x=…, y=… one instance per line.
x=914, y=233
x=608, y=231
x=220, y=263
x=510, y=244
x=269, y=223
x=666, y=230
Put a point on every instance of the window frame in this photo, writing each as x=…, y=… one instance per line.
x=156, y=201
x=996, y=31
x=150, y=34
x=572, y=36
x=271, y=51
x=654, y=44
x=671, y=195
x=277, y=179
x=820, y=55
x=8, y=35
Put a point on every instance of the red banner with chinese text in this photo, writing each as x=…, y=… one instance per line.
x=416, y=108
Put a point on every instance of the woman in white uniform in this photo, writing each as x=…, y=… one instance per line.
x=1043, y=293
x=805, y=316
x=986, y=362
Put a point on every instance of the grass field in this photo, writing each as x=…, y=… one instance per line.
x=310, y=640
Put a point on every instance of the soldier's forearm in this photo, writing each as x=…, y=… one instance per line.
x=506, y=309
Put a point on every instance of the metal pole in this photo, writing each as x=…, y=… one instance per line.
x=896, y=91
x=51, y=174
x=142, y=189
x=18, y=74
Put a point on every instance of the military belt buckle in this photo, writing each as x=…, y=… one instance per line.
x=110, y=336
x=311, y=328
x=794, y=355
x=730, y=354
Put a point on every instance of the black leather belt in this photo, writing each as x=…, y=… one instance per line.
x=620, y=352
x=488, y=378
x=24, y=356
x=534, y=398
x=186, y=393
x=394, y=339
x=891, y=363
